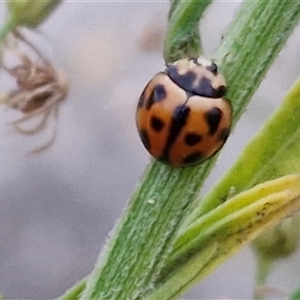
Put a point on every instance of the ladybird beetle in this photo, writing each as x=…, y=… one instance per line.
x=182, y=116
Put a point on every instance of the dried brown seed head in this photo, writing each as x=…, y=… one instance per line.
x=41, y=88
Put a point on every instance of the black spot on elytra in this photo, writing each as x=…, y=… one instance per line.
x=145, y=139
x=191, y=139
x=205, y=89
x=213, y=68
x=187, y=82
x=213, y=118
x=220, y=91
x=178, y=121
x=180, y=115
x=193, y=159
x=158, y=94
x=223, y=136
x=156, y=123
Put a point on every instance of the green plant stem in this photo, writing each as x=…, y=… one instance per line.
x=75, y=291
x=173, y=5
x=143, y=238
x=264, y=265
x=295, y=294
x=8, y=26
x=183, y=38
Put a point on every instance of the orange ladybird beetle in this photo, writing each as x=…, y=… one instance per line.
x=182, y=116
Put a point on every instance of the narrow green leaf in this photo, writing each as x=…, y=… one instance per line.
x=230, y=226
x=175, y=287
x=197, y=232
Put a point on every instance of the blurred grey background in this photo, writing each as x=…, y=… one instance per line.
x=57, y=208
